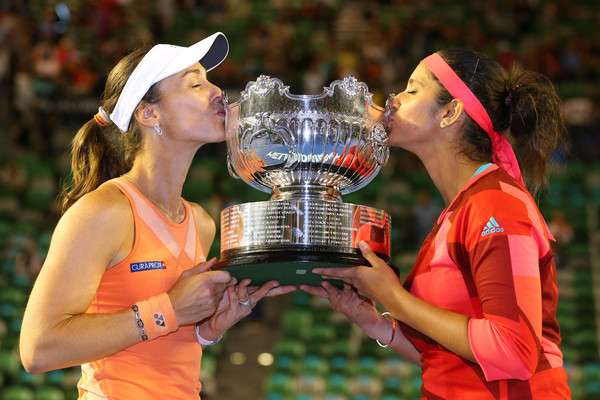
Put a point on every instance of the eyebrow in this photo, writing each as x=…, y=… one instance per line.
x=413, y=80
x=191, y=71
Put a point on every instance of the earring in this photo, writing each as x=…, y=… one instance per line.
x=157, y=129
x=443, y=123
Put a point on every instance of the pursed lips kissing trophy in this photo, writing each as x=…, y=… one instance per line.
x=306, y=151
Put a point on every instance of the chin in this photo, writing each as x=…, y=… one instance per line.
x=215, y=134
x=396, y=140
x=216, y=138
x=221, y=136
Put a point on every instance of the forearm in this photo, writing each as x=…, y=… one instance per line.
x=76, y=339
x=384, y=331
x=447, y=328
x=405, y=348
x=400, y=344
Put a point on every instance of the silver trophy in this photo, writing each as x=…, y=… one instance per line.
x=306, y=151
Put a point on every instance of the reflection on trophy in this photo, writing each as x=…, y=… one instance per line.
x=306, y=151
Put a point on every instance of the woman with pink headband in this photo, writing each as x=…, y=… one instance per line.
x=126, y=290
x=477, y=311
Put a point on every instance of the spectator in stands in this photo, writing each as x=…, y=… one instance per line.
x=562, y=230
x=478, y=310
x=126, y=290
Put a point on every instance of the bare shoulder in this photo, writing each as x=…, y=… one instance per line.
x=203, y=219
x=101, y=216
x=95, y=232
x=106, y=204
x=205, y=225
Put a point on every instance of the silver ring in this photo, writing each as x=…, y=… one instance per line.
x=245, y=303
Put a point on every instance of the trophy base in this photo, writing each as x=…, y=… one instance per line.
x=290, y=265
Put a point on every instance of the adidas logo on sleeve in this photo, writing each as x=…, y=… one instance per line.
x=491, y=227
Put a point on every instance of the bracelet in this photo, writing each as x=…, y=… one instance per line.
x=155, y=317
x=393, y=331
x=140, y=323
x=205, y=342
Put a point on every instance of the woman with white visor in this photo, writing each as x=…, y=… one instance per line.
x=126, y=290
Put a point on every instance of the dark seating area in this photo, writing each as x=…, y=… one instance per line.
x=54, y=57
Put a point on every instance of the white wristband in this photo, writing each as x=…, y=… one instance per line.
x=205, y=342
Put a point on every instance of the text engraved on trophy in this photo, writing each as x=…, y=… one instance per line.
x=231, y=222
x=292, y=222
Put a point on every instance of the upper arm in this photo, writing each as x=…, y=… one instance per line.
x=505, y=266
x=92, y=235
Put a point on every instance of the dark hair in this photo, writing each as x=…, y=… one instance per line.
x=98, y=153
x=523, y=105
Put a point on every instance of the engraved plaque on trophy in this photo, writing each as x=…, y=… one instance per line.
x=306, y=151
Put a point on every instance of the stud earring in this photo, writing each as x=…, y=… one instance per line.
x=157, y=129
x=443, y=123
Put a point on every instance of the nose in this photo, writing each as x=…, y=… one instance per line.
x=218, y=95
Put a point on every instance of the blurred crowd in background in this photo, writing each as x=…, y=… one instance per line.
x=55, y=55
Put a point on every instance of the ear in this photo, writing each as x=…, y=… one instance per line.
x=146, y=115
x=452, y=113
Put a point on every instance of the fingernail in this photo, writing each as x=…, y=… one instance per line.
x=363, y=245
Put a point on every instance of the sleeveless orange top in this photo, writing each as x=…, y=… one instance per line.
x=167, y=367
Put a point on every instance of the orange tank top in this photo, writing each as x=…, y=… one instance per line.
x=167, y=367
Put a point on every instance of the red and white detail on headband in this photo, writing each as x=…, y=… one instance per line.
x=503, y=154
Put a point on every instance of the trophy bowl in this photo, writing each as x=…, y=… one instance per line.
x=306, y=151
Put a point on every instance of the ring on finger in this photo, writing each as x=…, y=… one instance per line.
x=245, y=303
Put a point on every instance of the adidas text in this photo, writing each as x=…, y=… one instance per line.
x=489, y=231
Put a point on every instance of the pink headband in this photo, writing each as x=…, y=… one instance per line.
x=503, y=153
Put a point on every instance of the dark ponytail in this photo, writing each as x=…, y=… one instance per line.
x=536, y=124
x=100, y=153
x=523, y=105
x=93, y=161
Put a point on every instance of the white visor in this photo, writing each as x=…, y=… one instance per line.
x=162, y=61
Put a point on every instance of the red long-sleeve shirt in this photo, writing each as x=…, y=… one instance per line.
x=489, y=257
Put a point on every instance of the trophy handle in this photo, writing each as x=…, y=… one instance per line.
x=379, y=142
x=231, y=168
